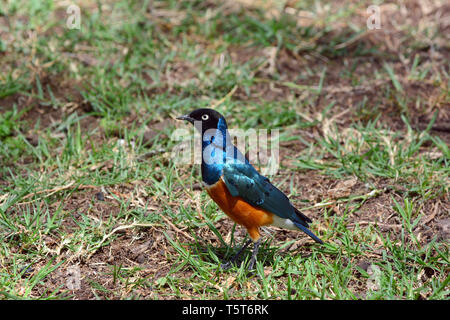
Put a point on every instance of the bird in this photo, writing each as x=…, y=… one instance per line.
x=246, y=196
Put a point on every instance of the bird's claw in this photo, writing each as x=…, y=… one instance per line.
x=226, y=266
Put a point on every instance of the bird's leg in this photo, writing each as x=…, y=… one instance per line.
x=230, y=263
x=254, y=254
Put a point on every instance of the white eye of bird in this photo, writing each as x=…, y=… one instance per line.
x=205, y=117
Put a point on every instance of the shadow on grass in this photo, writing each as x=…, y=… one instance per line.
x=221, y=255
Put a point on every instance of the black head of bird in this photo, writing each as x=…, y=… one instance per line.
x=205, y=119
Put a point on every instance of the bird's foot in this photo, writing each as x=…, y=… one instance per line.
x=252, y=262
x=254, y=255
x=226, y=266
x=230, y=263
x=251, y=265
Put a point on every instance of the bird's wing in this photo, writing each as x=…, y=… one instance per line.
x=244, y=181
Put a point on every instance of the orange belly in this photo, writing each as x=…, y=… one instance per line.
x=240, y=211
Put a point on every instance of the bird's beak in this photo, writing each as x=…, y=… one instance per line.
x=187, y=118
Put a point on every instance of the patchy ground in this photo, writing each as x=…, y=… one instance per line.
x=93, y=205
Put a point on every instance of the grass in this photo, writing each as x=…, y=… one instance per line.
x=91, y=194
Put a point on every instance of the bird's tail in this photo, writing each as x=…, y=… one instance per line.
x=308, y=232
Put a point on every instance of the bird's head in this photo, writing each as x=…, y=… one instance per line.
x=205, y=119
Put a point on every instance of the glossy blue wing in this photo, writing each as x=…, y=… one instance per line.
x=243, y=180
